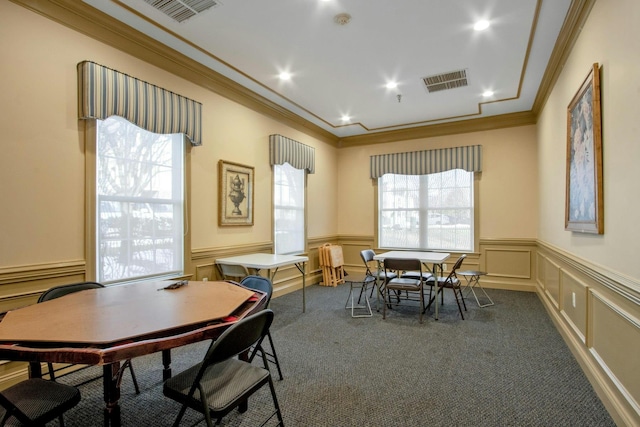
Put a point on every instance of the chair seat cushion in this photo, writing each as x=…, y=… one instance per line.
x=40, y=400
x=446, y=282
x=416, y=275
x=404, y=284
x=223, y=383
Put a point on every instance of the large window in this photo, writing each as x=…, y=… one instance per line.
x=433, y=212
x=139, y=202
x=288, y=215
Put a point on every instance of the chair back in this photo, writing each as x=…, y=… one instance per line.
x=367, y=256
x=456, y=266
x=239, y=338
x=402, y=264
x=232, y=271
x=258, y=283
x=60, y=291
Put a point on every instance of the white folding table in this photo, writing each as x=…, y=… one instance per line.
x=271, y=262
x=436, y=259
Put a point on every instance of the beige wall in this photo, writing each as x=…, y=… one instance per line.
x=611, y=37
x=42, y=166
x=507, y=185
x=520, y=191
x=589, y=283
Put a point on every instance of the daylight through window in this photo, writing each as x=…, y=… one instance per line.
x=140, y=202
x=427, y=212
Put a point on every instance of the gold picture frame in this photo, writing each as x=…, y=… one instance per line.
x=584, y=206
x=235, y=194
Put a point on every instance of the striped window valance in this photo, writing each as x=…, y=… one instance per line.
x=429, y=161
x=285, y=150
x=104, y=92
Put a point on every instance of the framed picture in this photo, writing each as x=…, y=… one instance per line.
x=584, y=200
x=235, y=194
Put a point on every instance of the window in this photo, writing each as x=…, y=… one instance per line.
x=139, y=202
x=288, y=206
x=432, y=211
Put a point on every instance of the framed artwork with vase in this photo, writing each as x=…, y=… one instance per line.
x=235, y=194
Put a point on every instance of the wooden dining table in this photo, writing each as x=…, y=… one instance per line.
x=107, y=326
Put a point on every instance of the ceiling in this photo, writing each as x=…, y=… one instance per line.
x=340, y=68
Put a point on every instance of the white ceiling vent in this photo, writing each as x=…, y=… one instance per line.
x=181, y=10
x=444, y=81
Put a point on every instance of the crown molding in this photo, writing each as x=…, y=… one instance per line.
x=91, y=22
x=450, y=128
x=576, y=16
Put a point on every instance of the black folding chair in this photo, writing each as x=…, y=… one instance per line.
x=35, y=402
x=413, y=287
x=222, y=382
x=60, y=291
x=263, y=284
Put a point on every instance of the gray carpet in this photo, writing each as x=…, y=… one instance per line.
x=505, y=365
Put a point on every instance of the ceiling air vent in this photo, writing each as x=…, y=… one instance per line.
x=446, y=81
x=181, y=10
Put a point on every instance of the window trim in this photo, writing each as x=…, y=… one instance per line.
x=476, y=213
x=90, y=142
x=305, y=244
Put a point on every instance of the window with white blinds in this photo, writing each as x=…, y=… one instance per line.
x=428, y=212
x=288, y=214
x=139, y=202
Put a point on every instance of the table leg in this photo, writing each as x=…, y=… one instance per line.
x=378, y=292
x=166, y=362
x=302, y=268
x=111, y=394
x=438, y=289
x=35, y=370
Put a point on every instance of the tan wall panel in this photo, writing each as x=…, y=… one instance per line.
x=615, y=340
x=540, y=274
x=552, y=282
x=574, y=290
x=509, y=263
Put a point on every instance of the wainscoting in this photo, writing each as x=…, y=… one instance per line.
x=596, y=311
x=598, y=314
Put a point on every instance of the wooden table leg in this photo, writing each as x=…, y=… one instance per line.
x=111, y=395
x=166, y=362
x=35, y=370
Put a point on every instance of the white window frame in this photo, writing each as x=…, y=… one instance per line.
x=402, y=214
x=179, y=235
x=289, y=202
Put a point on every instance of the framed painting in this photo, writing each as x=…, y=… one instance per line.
x=235, y=194
x=584, y=208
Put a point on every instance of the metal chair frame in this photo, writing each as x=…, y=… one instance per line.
x=263, y=284
x=223, y=380
x=452, y=282
x=411, y=286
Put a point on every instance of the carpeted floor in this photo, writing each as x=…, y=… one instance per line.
x=505, y=365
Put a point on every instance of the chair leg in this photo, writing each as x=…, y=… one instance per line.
x=275, y=403
x=455, y=293
x=384, y=302
x=275, y=356
x=133, y=377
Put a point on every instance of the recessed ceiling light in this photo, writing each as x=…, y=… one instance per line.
x=481, y=25
x=392, y=85
x=345, y=118
x=284, y=76
x=487, y=93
